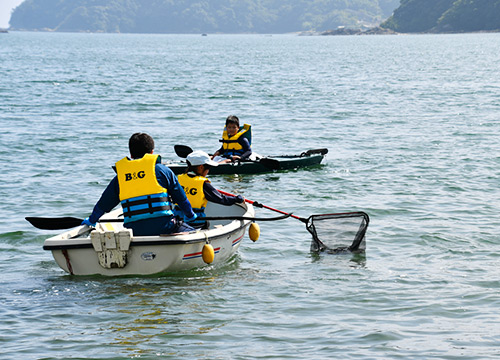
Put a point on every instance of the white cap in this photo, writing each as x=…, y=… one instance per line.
x=199, y=157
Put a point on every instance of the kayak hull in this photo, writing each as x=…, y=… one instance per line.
x=290, y=162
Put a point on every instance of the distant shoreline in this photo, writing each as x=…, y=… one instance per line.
x=383, y=31
x=336, y=32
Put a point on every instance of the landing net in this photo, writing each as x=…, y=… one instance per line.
x=336, y=233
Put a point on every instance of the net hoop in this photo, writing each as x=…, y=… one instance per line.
x=338, y=233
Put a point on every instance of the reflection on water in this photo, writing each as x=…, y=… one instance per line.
x=354, y=260
x=136, y=313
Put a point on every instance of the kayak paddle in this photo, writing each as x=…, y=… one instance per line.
x=182, y=150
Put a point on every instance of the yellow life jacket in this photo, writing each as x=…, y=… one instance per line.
x=231, y=145
x=141, y=195
x=193, y=187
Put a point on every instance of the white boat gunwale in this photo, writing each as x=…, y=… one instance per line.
x=146, y=240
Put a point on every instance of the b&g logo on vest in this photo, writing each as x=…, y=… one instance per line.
x=135, y=176
x=190, y=191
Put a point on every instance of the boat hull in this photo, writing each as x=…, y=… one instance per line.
x=75, y=252
x=254, y=167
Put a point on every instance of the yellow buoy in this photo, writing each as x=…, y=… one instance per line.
x=254, y=232
x=207, y=254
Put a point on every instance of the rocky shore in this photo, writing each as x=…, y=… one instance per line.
x=371, y=31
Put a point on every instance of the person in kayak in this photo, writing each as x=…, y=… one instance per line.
x=236, y=142
x=198, y=188
x=146, y=190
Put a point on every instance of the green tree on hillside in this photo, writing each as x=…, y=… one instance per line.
x=195, y=16
x=445, y=16
x=471, y=15
x=417, y=15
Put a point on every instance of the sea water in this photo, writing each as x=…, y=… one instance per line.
x=412, y=124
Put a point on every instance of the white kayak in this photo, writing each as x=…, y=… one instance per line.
x=111, y=249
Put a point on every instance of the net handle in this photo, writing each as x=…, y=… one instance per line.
x=305, y=221
x=258, y=204
x=356, y=242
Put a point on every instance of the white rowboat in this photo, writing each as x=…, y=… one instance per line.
x=112, y=250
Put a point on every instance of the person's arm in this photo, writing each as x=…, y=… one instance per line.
x=168, y=180
x=213, y=195
x=247, y=150
x=109, y=199
x=218, y=152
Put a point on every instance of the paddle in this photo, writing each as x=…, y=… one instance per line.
x=59, y=223
x=332, y=233
x=183, y=151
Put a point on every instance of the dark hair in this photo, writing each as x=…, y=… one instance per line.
x=233, y=119
x=140, y=144
x=191, y=168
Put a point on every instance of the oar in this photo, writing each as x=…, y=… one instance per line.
x=67, y=222
x=59, y=223
x=320, y=227
x=183, y=151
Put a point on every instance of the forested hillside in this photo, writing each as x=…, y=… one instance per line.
x=199, y=16
x=445, y=16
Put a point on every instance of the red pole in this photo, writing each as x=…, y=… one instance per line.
x=264, y=206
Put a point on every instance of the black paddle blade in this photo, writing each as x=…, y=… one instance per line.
x=59, y=223
x=338, y=233
x=182, y=150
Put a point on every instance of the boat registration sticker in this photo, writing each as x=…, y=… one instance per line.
x=148, y=256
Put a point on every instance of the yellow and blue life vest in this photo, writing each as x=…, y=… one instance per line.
x=141, y=196
x=193, y=187
x=231, y=145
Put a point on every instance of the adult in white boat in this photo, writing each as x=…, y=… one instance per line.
x=147, y=191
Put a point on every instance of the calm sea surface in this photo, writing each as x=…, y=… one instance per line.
x=413, y=128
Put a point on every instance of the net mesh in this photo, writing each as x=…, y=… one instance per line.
x=336, y=233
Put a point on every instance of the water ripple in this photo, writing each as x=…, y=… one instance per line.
x=412, y=140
